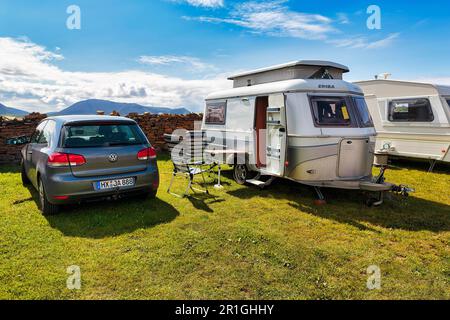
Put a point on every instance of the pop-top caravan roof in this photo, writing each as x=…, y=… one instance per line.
x=303, y=69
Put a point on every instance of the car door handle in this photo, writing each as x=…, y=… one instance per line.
x=30, y=152
x=282, y=130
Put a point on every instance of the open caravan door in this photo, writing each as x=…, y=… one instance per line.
x=276, y=135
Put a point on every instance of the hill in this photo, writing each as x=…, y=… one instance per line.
x=93, y=105
x=6, y=111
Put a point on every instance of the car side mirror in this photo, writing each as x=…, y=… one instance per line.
x=16, y=141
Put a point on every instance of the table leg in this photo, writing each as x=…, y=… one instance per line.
x=218, y=185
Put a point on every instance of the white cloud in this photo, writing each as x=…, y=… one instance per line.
x=276, y=19
x=30, y=79
x=343, y=18
x=383, y=42
x=361, y=42
x=192, y=62
x=203, y=3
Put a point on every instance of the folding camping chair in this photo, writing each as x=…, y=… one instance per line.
x=189, y=171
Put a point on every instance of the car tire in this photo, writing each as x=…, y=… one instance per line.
x=23, y=175
x=47, y=208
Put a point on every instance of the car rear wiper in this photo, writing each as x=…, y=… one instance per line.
x=111, y=144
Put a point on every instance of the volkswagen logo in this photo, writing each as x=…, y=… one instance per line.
x=113, y=157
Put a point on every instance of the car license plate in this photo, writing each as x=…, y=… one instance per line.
x=114, y=184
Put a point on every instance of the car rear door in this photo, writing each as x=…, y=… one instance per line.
x=104, y=155
x=31, y=150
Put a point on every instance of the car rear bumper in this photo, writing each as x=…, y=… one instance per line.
x=76, y=189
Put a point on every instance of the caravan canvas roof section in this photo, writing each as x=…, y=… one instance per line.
x=302, y=69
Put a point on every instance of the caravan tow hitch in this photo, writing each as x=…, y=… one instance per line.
x=400, y=189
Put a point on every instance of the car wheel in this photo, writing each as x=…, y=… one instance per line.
x=240, y=173
x=46, y=207
x=23, y=174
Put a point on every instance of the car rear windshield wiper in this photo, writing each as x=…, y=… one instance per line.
x=113, y=144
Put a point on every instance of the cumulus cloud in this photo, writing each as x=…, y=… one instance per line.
x=31, y=79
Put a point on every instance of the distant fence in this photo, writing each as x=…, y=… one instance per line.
x=154, y=126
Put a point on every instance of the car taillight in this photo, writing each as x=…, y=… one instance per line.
x=65, y=159
x=147, y=153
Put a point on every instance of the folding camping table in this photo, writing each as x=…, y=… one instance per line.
x=222, y=153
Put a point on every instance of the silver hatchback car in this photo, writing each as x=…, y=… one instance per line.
x=71, y=159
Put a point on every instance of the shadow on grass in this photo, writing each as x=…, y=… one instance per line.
x=203, y=201
x=98, y=220
x=10, y=168
x=348, y=206
x=419, y=165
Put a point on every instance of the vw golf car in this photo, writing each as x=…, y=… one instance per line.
x=71, y=159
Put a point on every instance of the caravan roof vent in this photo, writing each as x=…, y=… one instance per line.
x=303, y=69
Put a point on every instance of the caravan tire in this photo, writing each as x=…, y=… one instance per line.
x=240, y=173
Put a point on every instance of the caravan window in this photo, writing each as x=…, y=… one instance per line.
x=363, y=112
x=331, y=111
x=410, y=110
x=215, y=113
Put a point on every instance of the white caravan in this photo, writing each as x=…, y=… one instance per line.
x=412, y=119
x=298, y=121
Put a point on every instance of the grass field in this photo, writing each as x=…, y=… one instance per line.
x=239, y=243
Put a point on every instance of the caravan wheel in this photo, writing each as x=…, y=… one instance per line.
x=240, y=173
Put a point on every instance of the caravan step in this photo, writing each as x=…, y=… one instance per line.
x=261, y=184
x=255, y=182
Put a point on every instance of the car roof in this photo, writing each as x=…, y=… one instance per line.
x=88, y=118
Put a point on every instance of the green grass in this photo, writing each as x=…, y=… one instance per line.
x=240, y=243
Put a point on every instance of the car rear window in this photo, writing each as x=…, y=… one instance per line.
x=102, y=135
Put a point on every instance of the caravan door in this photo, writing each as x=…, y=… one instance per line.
x=276, y=135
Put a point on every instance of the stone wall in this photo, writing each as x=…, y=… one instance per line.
x=10, y=128
x=154, y=126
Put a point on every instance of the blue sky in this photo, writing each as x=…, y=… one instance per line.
x=173, y=52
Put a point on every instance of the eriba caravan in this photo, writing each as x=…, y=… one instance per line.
x=298, y=121
x=412, y=119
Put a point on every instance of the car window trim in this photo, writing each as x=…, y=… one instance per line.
x=45, y=122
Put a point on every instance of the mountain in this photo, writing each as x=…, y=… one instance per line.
x=93, y=105
x=6, y=111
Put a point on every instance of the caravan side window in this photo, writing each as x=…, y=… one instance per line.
x=410, y=110
x=216, y=113
x=330, y=111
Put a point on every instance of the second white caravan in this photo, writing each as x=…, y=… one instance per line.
x=298, y=121
x=412, y=119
